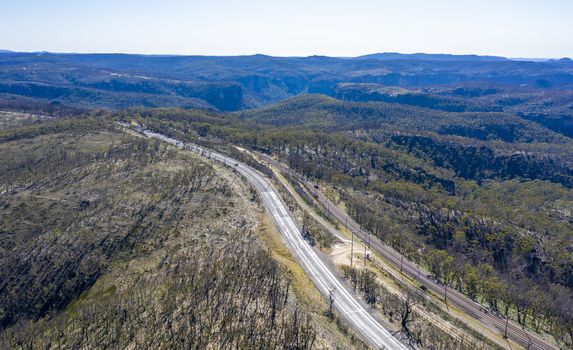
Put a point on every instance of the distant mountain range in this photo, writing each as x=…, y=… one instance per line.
x=238, y=82
x=430, y=57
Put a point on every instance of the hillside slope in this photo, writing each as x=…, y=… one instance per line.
x=487, y=217
x=112, y=240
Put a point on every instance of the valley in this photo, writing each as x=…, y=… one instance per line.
x=269, y=202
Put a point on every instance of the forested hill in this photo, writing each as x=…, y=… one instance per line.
x=474, y=145
x=480, y=197
x=238, y=82
x=487, y=210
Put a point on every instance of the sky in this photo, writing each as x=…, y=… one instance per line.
x=511, y=28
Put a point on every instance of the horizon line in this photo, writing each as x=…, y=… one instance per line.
x=516, y=58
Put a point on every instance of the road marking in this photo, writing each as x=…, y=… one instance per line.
x=325, y=280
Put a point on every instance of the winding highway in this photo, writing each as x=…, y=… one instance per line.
x=515, y=332
x=326, y=281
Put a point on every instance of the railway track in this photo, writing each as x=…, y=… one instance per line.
x=514, y=331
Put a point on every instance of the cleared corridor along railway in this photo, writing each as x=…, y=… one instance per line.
x=527, y=339
x=326, y=280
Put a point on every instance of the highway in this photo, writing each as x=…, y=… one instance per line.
x=326, y=280
x=515, y=332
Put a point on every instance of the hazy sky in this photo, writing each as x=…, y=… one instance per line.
x=514, y=28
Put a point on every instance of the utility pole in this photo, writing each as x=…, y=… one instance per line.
x=369, y=248
x=401, y=252
x=352, y=243
x=446, y=296
x=506, y=324
x=364, y=257
x=352, y=249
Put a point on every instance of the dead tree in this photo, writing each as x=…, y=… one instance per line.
x=406, y=312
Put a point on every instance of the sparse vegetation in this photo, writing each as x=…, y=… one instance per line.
x=112, y=240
